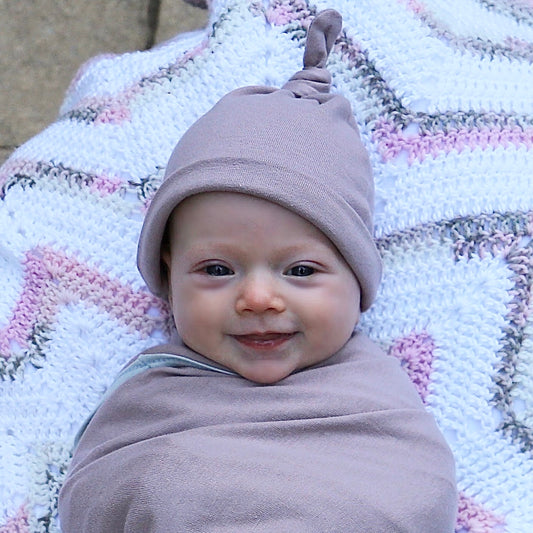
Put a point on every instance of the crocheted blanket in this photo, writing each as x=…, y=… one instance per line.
x=441, y=91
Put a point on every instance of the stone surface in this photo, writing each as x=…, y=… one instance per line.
x=42, y=45
x=5, y=152
x=178, y=17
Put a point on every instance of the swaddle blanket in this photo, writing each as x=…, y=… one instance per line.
x=441, y=91
x=343, y=446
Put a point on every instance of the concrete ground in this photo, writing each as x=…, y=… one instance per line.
x=43, y=42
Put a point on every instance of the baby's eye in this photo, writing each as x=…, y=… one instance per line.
x=218, y=270
x=301, y=271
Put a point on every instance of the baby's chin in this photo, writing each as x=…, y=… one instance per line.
x=266, y=372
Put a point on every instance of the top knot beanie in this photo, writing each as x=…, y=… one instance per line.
x=297, y=146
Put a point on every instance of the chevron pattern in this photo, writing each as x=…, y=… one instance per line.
x=441, y=91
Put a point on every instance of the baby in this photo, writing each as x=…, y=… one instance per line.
x=267, y=412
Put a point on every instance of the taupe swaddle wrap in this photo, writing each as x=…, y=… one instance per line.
x=342, y=447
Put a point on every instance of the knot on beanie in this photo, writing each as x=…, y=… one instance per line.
x=315, y=78
x=298, y=146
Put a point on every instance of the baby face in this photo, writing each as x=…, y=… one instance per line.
x=257, y=288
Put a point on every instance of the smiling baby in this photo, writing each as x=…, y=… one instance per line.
x=268, y=411
x=257, y=288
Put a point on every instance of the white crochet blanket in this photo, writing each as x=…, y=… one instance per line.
x=442, y=91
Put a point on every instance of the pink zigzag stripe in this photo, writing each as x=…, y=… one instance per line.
x=116, y=109
x=285, y=11
x=518, y=45
x=391, y=142
x=414, y=5
x=106, y=185
x=53, y=279
x=102, y=184
x=18, y=523
x=474, y=518
x=416, y=353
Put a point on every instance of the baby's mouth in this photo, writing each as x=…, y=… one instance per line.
x=264, y=341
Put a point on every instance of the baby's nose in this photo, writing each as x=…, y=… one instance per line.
x=259, y=293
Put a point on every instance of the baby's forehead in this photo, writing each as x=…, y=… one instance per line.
x=234, y=224
x=221, y=213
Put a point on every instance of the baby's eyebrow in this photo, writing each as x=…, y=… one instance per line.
x=197, y=252
x=213, y=249
x=209, y=247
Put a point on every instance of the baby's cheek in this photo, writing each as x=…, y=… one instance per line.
x=343, y=313
x=347, y=303
x=197, y=320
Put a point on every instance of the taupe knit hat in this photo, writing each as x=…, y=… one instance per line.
x=297, y=146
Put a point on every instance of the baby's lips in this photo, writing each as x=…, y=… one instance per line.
x=264, y=341
x=267, y=336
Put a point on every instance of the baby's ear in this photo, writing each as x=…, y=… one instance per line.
x=169, y=294
x=165, y=258
x=164, y=265
x=165, y=276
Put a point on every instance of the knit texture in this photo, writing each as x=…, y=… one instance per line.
x=441, y=92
